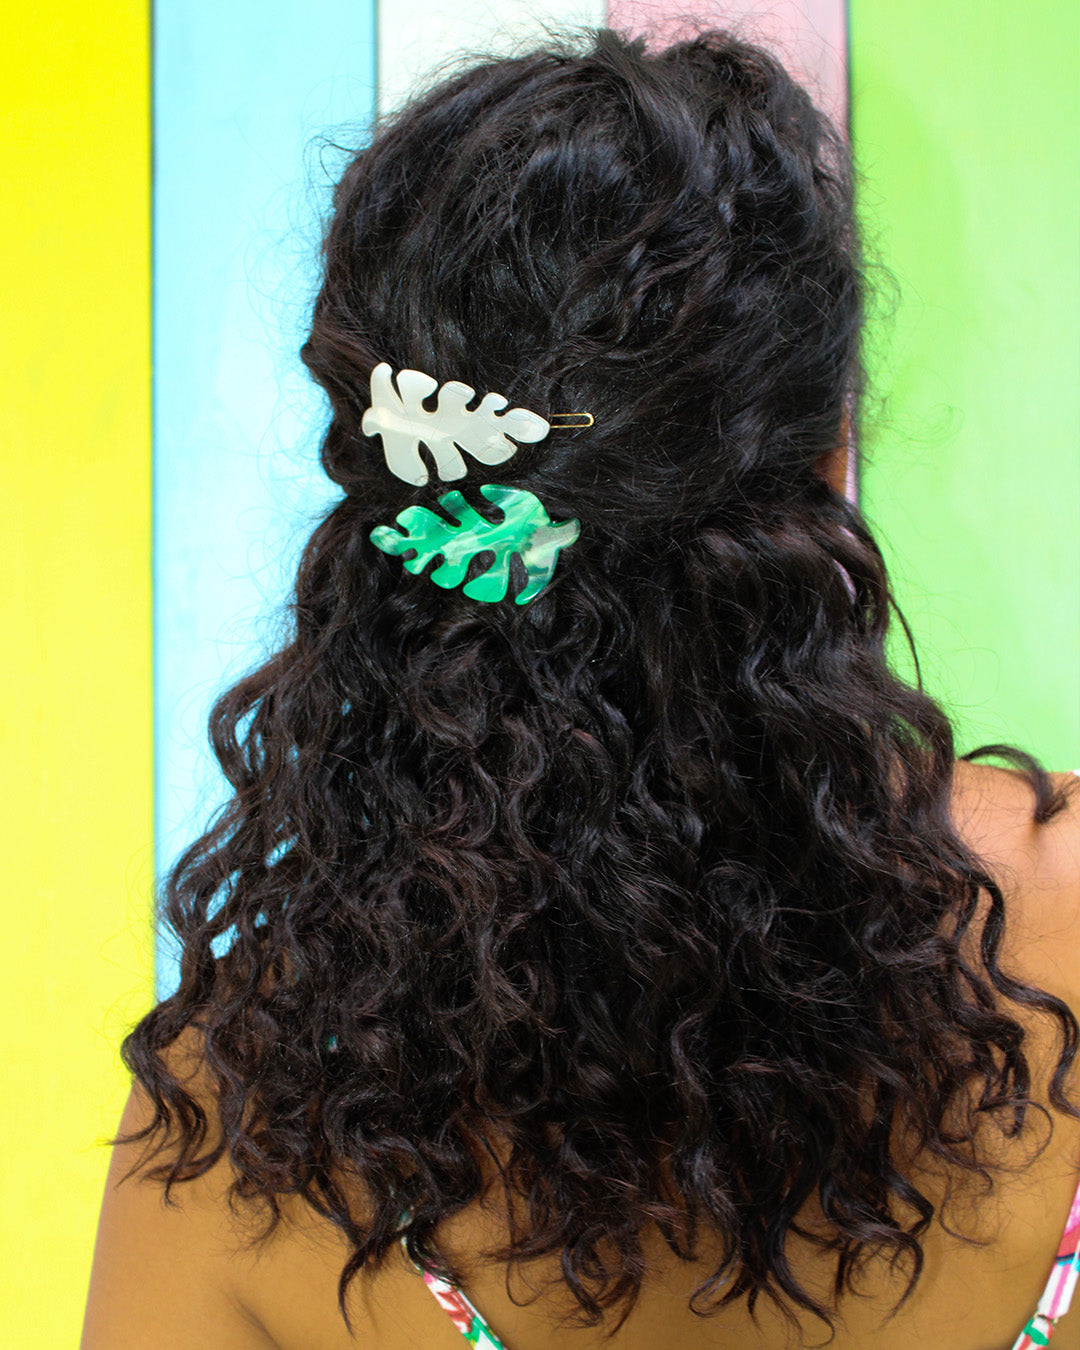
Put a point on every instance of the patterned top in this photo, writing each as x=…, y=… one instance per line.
x=1052, y=1306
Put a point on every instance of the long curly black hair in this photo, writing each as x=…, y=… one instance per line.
x=654, y=878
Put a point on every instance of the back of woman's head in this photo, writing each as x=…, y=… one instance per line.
x=665, y=241
x=646, y=879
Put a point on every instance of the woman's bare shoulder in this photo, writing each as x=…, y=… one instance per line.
x=163, y=1271
x=1037, y=866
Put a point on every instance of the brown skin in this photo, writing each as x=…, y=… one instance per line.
x=833, y=466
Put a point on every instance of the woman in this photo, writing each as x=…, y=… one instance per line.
x=614, y=936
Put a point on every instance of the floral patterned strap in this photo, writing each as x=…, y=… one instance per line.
x=461, y=1312
x=1060, y=1287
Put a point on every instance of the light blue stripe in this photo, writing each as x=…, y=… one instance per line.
x=242, y=93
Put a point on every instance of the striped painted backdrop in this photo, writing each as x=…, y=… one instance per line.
x=168, y=170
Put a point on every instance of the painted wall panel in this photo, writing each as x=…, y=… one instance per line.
x=421, y=39
x=244, y=101
x=75, y=612
x=809, y=35
x=966, y=146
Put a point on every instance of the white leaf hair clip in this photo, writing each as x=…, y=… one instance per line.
x=399, y=418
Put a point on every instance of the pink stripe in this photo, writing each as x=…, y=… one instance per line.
x=1072, y=1223
x=809, y=35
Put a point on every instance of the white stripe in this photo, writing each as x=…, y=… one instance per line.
x=420, y=40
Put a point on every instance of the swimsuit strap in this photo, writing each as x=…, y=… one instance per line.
x=1060, y=1287
x=464, y=1315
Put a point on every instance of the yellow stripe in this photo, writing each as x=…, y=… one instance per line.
x=75, y=730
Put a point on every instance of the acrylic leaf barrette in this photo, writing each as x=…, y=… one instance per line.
x=526, y=530
x=400, y=419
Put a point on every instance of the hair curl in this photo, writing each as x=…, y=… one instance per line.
x=653, y=877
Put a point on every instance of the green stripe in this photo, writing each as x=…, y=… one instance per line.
x=964, y=127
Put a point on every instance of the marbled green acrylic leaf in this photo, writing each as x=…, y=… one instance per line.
x=526, y=530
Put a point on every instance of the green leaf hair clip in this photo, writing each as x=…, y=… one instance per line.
x=526, y=529
x=397, y=416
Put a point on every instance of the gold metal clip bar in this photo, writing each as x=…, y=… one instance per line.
x=559, y=423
